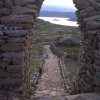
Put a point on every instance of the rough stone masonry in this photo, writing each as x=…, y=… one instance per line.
x=88, y=17
x=17, y=18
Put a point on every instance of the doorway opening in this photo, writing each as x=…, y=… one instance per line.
x=56, y=45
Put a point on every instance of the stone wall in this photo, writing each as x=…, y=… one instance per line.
x=88, y=76
x=17, y=18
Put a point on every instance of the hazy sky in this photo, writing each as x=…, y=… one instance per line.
x=67, y=3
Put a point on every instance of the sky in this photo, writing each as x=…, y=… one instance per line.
x=58, y=5
x=67, y=3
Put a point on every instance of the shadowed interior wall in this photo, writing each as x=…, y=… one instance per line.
x=17, y=18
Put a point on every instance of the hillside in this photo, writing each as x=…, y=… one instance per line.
x=45, y=31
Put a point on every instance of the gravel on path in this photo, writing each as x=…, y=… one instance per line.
x=50, y=83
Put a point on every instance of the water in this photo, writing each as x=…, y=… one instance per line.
x=59, y=21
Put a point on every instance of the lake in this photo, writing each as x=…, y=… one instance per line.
x=59, y=21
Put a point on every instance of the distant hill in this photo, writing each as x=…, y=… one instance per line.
x=70, y=15
x=58, y=8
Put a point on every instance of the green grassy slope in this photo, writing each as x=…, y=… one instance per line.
x=47, y=32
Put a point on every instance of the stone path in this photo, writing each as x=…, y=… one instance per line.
x=50, y=83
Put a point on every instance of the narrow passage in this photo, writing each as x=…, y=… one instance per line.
x=50, y=83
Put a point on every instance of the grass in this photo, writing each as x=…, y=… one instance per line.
x=36, y=48
x=49, y=32
x=71, y=67
x=34, y=63
x=69, y=49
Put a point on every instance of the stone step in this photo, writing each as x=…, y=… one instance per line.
x=88, y=96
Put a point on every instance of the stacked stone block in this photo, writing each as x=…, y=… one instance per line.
x=88, y=76
x=17, y=18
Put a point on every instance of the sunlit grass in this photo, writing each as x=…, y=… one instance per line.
x=69, y=49
x=71, y=67
x=34, y=65
x=47, y=31
x=36, y=48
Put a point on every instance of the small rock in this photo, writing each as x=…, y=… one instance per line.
x=53, y=93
